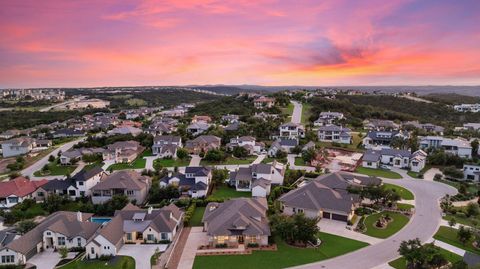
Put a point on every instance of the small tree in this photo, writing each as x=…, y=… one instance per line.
x=464, y=235
x=182, y=153
x=472, y=210
x=25, y=226
x=63, y=251
x=452, y=222
x=240, y=152
x=51, y=158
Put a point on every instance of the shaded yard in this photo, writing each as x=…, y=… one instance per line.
x=225, y=192
x=172, y=162
x=55, y=169
x=285, y=256
x=398, y=222
x=378, y=172
x=404, y=193
x=401, y=263
x=197, y=216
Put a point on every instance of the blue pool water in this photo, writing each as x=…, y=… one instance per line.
x=100, y=220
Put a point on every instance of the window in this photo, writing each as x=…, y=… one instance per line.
x=82, y=193
x=8, y=259
x=300, y=210
x=163, y=236
x=79, y=242
x=80, y=183
x=150, y=237
x=40, y=194
x=92, y=250
x=129, y=236
x=61, y=241
x=129, y=192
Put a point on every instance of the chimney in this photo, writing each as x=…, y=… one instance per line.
x=79, y=216
x=150, y=209
x=169, y=173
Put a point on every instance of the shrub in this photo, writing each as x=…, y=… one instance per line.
x=221, y=245
x=105, y=257
x=189, y=214
x=252, y=245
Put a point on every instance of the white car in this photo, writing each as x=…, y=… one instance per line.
x=386, y=167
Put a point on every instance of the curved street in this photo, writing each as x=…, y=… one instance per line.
x=423, y=224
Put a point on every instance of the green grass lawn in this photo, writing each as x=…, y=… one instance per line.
x=172, y=162
x=138, y=163
x=413, y=174
x=285, y=256
x=270, y=159
x=230, y=160
x=399, y=220
x=299, y=161
x=56, y=169
x=401, y=263
x=404, y=193
x=288, y=110
x=378, y=172
x=461, y=218
x=225, y=192
x=306, y=113
x=196, y=219
x=449, y=236
x=119, y=262
x=404, y=206
x=92, y=165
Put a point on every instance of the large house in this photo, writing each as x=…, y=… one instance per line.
x=397, y=158
x=471, y=172
x=123, y=151
x=166, y=145
x=237, y=221
x=194, y=183
x=80, y=185
x=380, y=125
x=203, y=143
x=205, y=119
x=76, y=154
x=381, y=138
x=257, y=178
x=327, y=196
x=60, y=229
x=285, y=145
x=134, y=225
x=125, y=130
x=264, y=102
x=428, y=127
x=16, y=190
x=126, y=182
x=292, y=130
x=198, y=128
x=67, y=133
x=247, y=142
x=328, y=118
x=334, y=133
x=22, y=145
x=457, y=146
x=474, y=108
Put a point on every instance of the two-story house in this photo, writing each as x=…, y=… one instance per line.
x=328, y=118
x=455, y=146
x=334, y=133
x=125, y=182
x=257, y=178
x=203, y=143
x=166, y=145
x=382, y=138
x=247, y=142
x=194, y=183
x=123, y=151
x=16, y=190
x=292, y=130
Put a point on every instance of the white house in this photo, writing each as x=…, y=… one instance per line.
x=166, y=145
x=471, y=172
x=195, y=182
x=457, y=146
x=292, y=130
x=334, y=133
x=247, y=142
x=16, y=190
x=257, y=178
x=328, y=118
x=397, y=158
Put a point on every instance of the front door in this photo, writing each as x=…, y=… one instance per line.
x=240, y=239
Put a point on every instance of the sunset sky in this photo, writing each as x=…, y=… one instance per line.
x=85, y=43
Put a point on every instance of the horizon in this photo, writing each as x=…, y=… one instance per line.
x=58, y=44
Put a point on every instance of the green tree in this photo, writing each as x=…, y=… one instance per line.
x=182, y=153
x=472, y=210
x=452, y=222
x=464, y=234
x=25, y=226
x=63, y=251
x=240, y=152
x=214, y=155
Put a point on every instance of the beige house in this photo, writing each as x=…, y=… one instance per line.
x=126, y=182
x=203, y=143
x=123, y=151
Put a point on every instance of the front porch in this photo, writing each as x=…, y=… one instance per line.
x=233, y=241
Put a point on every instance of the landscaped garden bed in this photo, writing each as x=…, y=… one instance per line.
x=394, y=223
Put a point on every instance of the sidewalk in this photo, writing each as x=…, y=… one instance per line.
x=448, y=247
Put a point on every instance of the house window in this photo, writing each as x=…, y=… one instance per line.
x=79, y=242
x=40, y=194
x=82, y=193
x=129, y=192
x=61, y=241
x=129, y=236
x=8, y=259
x=300, y=210
x=92, y=250
x=150, y=237
x=163, y=236
x=80, y=183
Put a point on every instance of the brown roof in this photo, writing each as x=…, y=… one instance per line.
x=125, y=179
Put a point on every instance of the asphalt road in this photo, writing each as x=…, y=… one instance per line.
x=40, y=163
x=297, y=112
x=423, y=225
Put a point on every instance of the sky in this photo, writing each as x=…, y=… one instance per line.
x=88, y=43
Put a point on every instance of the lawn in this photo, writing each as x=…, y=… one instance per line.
x=404, y=193
x=413, y=174
x=92, y=165
x=172, y=162
x=56, y=169
x=270, y=159
x=225, y=192
x=461, y=218
x=399, y=220
x=230, y=161
x=285, y=256
x=306, y=113
x=401, y=263
x=378, y=172
x=299, y=161
x=404, y=206
x=119, y=262
x=196, y=219
x=288, y=110
x=449, y=236
x=138, y=163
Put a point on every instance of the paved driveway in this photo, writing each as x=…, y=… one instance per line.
x=423, y=225
x=195, y=239
x=339, y=228
x=195, y=161
x=48, y=259
x=141, y=253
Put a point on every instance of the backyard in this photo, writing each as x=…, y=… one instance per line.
x=401, y=263
x=55, y=169
x=285, y=256
x=225, y=192
x=397, y=223
x=197, y=216
x=172, y=162
x=118, y=262
x=449, y=236
x=230, y=161
x=378, y=172
x=461, y=217
x=404, y=193
x=299, y=161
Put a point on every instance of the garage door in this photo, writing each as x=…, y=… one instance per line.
x=339, y=217
x=326, y=215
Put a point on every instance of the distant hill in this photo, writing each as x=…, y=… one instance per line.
x=452, y=98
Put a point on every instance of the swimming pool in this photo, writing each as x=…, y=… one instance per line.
x=100, y=220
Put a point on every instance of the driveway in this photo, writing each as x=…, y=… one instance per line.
x=291, y=162
x=195, y=161
x=195, y=239
x=423, y=224
x=149, y=163
x=339, y=228
x=141, y=253
x=297, y=112
x=48, y=259
x=41, y=163
x=430, y=173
